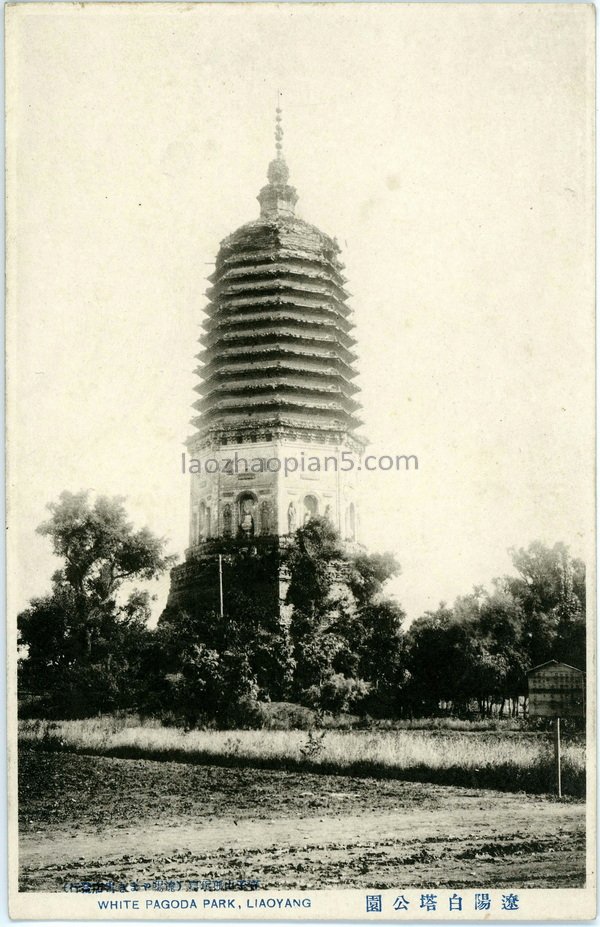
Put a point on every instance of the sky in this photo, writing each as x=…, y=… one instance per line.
x=448, y=147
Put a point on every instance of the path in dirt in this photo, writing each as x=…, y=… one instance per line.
x=97, y=818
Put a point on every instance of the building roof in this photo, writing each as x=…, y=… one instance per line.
x=553, y=663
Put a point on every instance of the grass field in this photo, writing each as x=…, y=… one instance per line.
x=506, y=760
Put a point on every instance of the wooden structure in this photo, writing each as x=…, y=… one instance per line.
x=556, y=690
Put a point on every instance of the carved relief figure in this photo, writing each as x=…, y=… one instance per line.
x=247, y=508
x=351, y=522
x=292, y=518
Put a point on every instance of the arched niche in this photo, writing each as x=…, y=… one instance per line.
x=247, y=508
x=311, y=507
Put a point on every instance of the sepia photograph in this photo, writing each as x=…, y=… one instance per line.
x=300, y=461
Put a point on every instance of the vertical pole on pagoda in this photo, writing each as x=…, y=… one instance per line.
x=221, y=585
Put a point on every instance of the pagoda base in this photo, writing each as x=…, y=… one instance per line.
x=250, y=572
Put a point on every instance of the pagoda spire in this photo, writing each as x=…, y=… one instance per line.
x=278, y=130
x=277, y=198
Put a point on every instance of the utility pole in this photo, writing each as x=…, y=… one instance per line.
x=221, y=585
x=557, y=757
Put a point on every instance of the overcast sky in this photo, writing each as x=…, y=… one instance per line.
x=449, y=150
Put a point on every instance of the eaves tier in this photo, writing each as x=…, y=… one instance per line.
x=277, y=352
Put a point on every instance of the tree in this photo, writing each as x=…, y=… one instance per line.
x=315, y=561
x=383, y=654
x=342, y=629
x=502, y=627
x=550, y=588
x=84, y=648
x=209, y=667
x=369, y=573
x=100, y=548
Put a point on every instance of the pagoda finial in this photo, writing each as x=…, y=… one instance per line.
x=278, y=172
x=278, y=128
x=277, y=198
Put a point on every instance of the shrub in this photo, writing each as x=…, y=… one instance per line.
x=337, y=694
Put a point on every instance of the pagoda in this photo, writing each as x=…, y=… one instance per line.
x=276, y=375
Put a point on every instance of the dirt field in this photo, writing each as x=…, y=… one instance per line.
x=98, y=818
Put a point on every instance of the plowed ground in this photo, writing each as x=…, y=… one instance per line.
x=85, y=818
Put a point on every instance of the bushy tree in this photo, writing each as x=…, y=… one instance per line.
x=338, y=694
x=83, y=648
x=209, y=667
x=342, y=628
